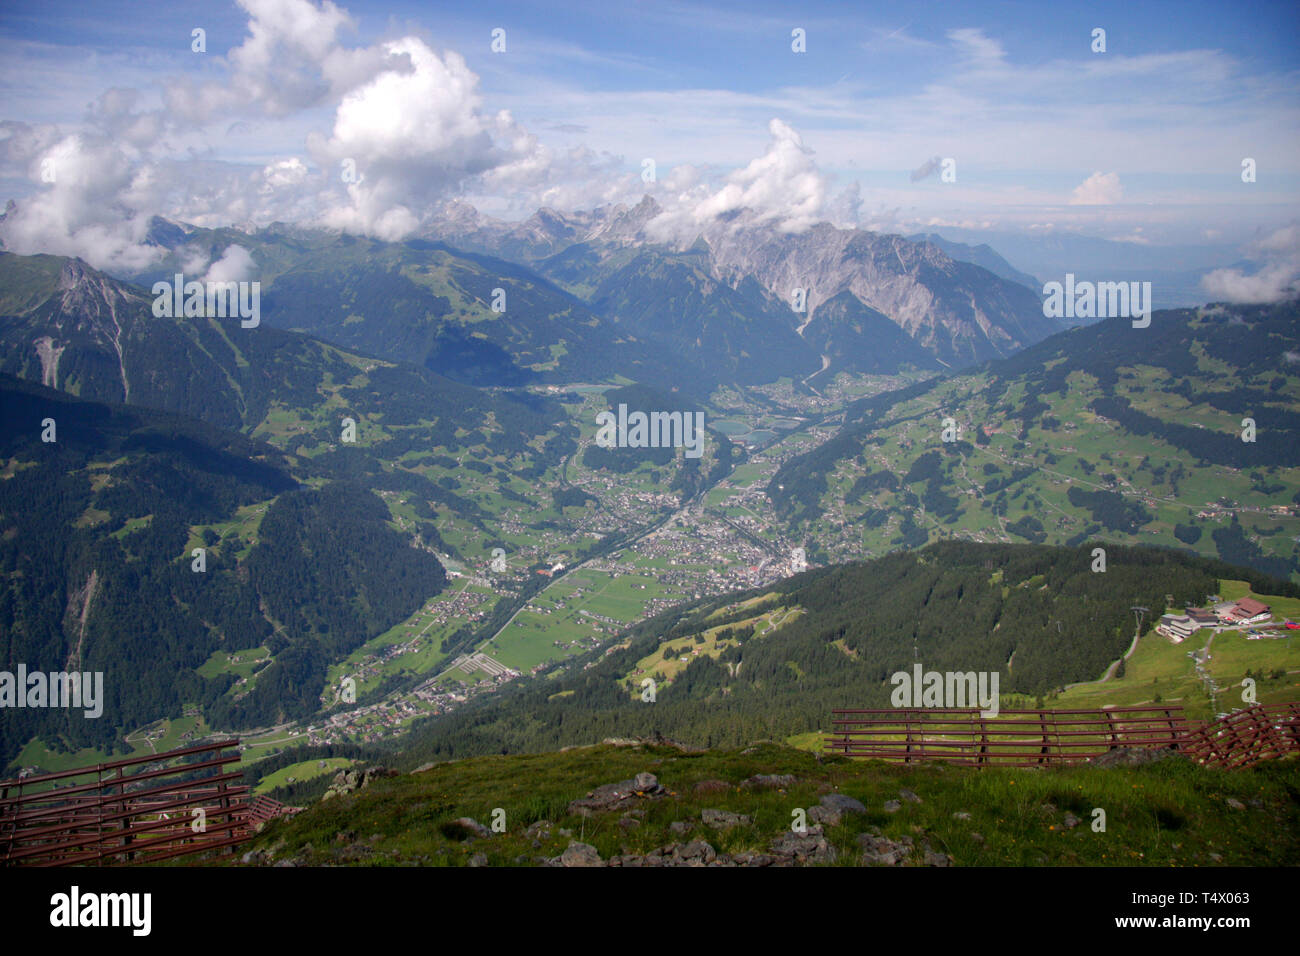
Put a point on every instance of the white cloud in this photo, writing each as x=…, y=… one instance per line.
x=420, y=132
x=1099, y=189
x=410, y=121
x=285, y=174
x=291, y=60
x=82, y=212
x=414, y=137
x=194, y=261
x=235, y=265
x=1276, y=281
x=783, y=187
x=976, y=48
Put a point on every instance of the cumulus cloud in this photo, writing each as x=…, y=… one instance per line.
x=408, y=132
x=1277, y=280
x=782, y=187
x=292, y=59
x=409, y=121
x=284, y=174
x=194, y=261
x=235, y=265
x=410, y=137
x=84, y=207
x=1099, y=189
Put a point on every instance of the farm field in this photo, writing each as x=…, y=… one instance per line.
x=303, y=770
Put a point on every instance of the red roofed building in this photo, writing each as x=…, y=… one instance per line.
x=1247, y=611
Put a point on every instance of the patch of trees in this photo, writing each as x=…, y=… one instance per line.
x=1235, y=548
x=946, y=600
x=570, y=498
x=995, y=485
x=1112, y=510
x=872, y=481
x=1029, y=528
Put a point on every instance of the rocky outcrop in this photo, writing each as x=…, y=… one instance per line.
x=613, y=795
x=350, y=781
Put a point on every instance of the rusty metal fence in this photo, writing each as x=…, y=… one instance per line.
x=1015, y=738
x=137, y=810
x=1029, y=738
x=1248, y=736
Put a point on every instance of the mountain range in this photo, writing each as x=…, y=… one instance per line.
x=384, y=429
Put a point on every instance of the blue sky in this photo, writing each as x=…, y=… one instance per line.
x=1143, y=142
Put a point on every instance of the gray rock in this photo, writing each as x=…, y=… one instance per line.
x=892, y=806
x=724, y=819
x=681, y=827
x=770, y=781
x=826, y=816
x=803, y=848
x=349, y=781
x=934, y=858
x=611, y=795
x=1071, y=821
x=879, y=850
x=1235, y=804
x=961, y=815
x=478, y=859
x=580, y=854
x=843, y=803
x=696, y=850
x=473, y=826
x=910, y=797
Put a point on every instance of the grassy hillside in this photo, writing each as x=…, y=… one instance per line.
x=475, y=318
x=773, y=662
x=1131, y=435
x=1170, y=813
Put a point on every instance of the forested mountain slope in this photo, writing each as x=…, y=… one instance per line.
x=774, y=662
x=98, y=531
x=1184, y=433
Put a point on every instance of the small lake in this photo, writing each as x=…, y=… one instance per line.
x=732, y=429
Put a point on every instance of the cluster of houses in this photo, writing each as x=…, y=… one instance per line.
x=1243, y=613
